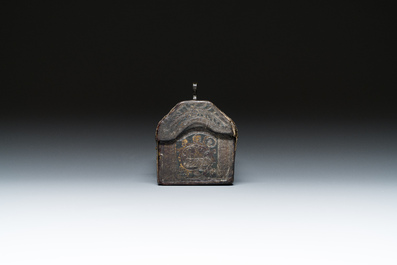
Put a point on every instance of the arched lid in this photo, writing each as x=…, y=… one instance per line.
x=191, y=114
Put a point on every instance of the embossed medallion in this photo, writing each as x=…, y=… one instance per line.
x=197, y=155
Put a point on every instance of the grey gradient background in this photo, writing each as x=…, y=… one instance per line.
x=310, y=87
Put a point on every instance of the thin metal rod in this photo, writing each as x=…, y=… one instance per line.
x=195, y=91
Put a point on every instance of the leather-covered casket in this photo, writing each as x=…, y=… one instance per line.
x=196, y=144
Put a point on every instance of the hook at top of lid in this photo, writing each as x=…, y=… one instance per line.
x=194, y=91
